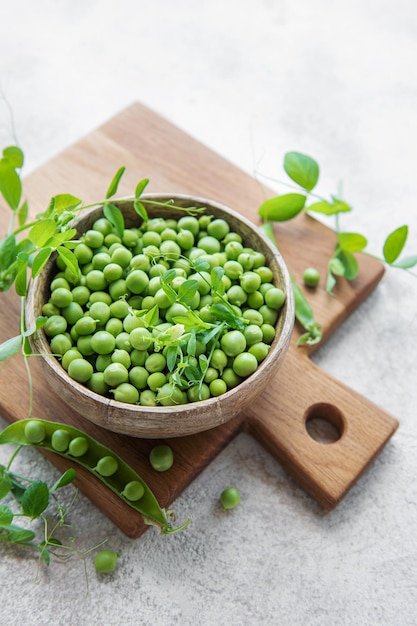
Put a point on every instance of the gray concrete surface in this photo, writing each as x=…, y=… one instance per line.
x=251, y=79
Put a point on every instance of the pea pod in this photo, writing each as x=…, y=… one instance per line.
x=305, y=317
x=26, y=433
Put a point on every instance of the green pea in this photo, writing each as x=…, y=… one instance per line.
x=106, y=561
x=133, y=491
x=233, y=342
x=155, y=380
x=83, y=253
x=141, y=338
x=170, y=395
x=100, y=296
x=311, y=277
x=100, y=260
x=231, y=378
x=69, y=356
x=93, y=238
x=259, y=350
x=218, y=387
x=188, y=222
x=137, y=281
x=107, y=466
x=61, y=297
x=60, y=344
x=155, y=362
x=60, y=440
x=161, y=458
x=121, y=356
x=81, y=294
x=115, y=374
x=59, y=282
x=78, y=446
x=103, y=342
x=245, y=364
x=103, y=225
x=230, y=498
x=250, y=281
x=49, y=309
x=112, y=272
x=138, y=376
x=253, y=334
x=274, y=298
x=35, y=431
x=114, y=326
x=209, y=244
x=73, y=312
x=125, y=392
x=97, y=384
x=85, y=325
x=100, y=312
x=55, y=325
x=148, y=398
x=80, y=370
x=198, y=392
x=268, y=333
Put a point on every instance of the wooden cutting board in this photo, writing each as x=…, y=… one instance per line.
x=149, y=146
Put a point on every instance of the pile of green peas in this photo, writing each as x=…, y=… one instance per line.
x=92, y=324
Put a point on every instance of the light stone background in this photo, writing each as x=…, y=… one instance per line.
x=251, y=79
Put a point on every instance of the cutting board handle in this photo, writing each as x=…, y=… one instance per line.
x=286, y=425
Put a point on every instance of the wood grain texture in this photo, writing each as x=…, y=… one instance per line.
x=149, y=146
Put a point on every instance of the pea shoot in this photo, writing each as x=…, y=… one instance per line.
x=304, y=171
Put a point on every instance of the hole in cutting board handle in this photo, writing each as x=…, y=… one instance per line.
x=324, y=423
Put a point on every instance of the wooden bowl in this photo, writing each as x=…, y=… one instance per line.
x=166, y=421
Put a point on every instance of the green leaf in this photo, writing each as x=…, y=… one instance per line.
x=140, y=210
x=65, y=202
x=35, y=499
x=15, y=534
x=282, y=208
x=10, y=184
x=406, y=263
x=8, y=252
x=192, y=344
x=340, y=206
x=223, y=313
x=14, y=155
x=140, y=187
x=201, y=265
x=152, y=316
x=44, y=553
x=354, y=242
x=40, y=261
x=115, y=217
x=115, y=182
x=41, y=232
x=336, y=267
x=394, y=244
x=216, y=276
x=10, y=347
x=171, y=357
x=349, y=263
x=5, y=485
x=66, y=478
x=69, y=259
x=330, y=282
x=302, y=169
x=20, y=282
x=22, y=213
x=187, y=291
x=6, y=515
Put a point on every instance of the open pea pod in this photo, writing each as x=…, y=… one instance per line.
x=39, y=433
